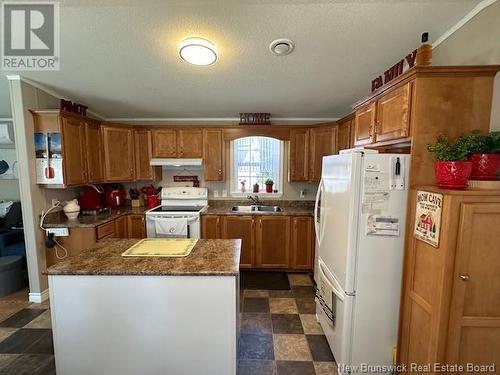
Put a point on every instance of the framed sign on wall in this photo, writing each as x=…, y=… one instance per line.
x=428, y=217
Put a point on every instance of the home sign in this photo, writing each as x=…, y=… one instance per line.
x=428, y=217
x=255, y=118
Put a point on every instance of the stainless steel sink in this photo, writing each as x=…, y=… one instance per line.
x=256, y=208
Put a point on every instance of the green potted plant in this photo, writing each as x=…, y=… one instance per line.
x=484, y=150
x=269, y=185
x=452, y=169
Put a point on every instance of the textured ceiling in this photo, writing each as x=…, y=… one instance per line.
x=120, y=57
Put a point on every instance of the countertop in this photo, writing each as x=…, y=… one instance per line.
x=59, y=220
x=208, y=258
x=288, y=208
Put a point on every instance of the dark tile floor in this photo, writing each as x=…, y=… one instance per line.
x=279, y=335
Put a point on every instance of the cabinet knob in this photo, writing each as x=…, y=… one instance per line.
x=465, y=277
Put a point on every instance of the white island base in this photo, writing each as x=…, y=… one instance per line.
x=148, y=325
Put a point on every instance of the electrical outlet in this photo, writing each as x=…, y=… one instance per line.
x=58, y=232
x=303, y=193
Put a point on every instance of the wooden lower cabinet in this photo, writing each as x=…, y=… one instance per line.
x=121, y=227
x=273, y=242
x=241, y=227
x=302, y=243
x=450, y=310
x=268, y=242
x=136, y=226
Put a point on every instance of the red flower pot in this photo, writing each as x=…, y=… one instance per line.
x=269, y=188
x=453, y=174
x=485, y=166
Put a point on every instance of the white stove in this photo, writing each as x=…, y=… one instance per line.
x=178, y=216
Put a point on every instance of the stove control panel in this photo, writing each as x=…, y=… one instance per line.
x=184, y=193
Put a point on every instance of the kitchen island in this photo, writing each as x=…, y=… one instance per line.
x=146, y=315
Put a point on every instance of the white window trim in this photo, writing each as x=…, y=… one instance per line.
x=239, y=194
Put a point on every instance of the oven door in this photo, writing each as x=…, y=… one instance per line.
x=193, y=225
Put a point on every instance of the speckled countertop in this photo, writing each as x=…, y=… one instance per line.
x=208, y=258
x=59, y=220
x=288, y=208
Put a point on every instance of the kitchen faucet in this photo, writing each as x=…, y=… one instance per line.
x=254, y=199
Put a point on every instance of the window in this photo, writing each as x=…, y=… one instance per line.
x=254, y=160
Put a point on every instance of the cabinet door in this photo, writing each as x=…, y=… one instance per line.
x=213, y=155
x=73, y=149
x=190, y=143
x=136, y=226
x=143, y=155
x=344, y=135
x=364, y=123
x=273, y=242
x=302, y=247
x=93, y=146
x=393, y=114
x=298, y=155
x=121, y=227
x=118, y=153
x=210, y=226
x=323, y=142
x=474, y=325
x=165, y=143
x=242, y=227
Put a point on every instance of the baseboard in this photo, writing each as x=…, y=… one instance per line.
x=39, y=297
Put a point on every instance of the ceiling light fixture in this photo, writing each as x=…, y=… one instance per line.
x=281, y=47
x=198, y=51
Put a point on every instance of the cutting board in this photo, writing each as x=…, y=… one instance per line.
x=161, y=247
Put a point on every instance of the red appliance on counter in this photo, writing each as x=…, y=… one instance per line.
x=92, y=199
x=115, y=196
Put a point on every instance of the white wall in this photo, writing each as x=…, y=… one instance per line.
x=476, y=43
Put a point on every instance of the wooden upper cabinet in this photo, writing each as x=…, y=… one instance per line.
x=302, y=246
x=213, y=155
x=210, y=226
x=136, y=226
x=323, y=142
x=364, y=124
x=143, y=147
x=273, y=242
x=344, y=138
x=298, y=155
x=242, y=227
x=73, y=149
x=164, y=143
x=118, y=145
x=93, y=145
x=393, y=114
x=190, y=143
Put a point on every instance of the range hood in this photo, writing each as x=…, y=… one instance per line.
x=176, y=162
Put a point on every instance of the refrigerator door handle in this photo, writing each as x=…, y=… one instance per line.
x=316, y=208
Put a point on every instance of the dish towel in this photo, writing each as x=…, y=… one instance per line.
x=169, y=227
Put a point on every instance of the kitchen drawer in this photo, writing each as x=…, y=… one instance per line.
x=105, y=230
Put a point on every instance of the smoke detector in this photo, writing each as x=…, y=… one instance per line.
x=281, y=47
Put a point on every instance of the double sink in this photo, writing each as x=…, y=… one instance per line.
x=256, y=208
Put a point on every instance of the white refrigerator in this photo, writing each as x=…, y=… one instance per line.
x=360, y=218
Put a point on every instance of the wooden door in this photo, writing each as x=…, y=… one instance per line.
x=93, y=146
x=213, y=155
x=143, y=151
x=298, y=155
x=242, y=227
x=474, y=325
x=210, y=226
x=118, y=143
x=190, y=143
x=272, y=242
x=136, y=226
x=393, y=114
x=302, y=246
x=73, y=151
x=121, y=227
x=323, y=142
x=364, y=124
x=344, y=134
x=164, y=143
